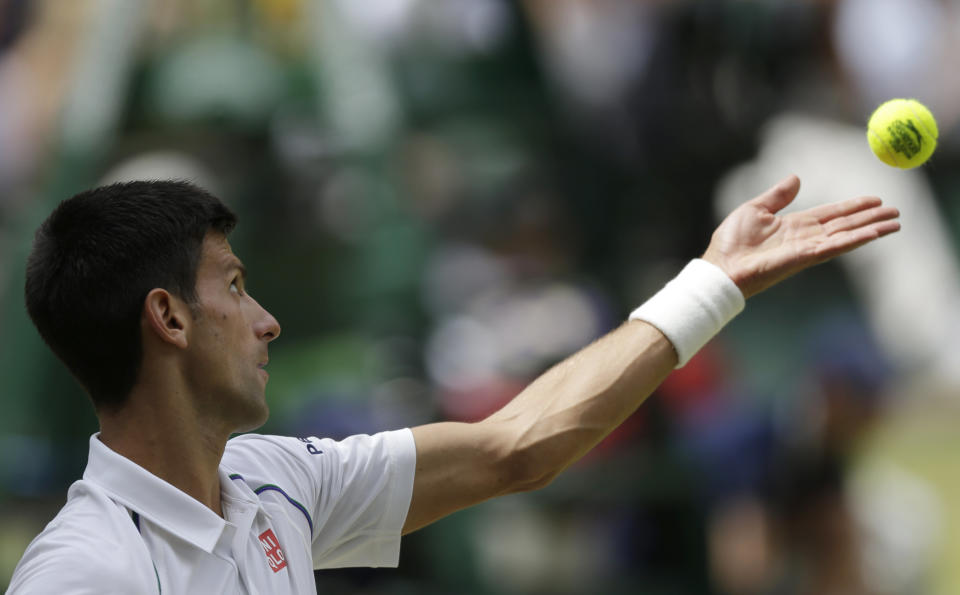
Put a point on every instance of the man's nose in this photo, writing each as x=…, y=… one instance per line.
x=268, y=328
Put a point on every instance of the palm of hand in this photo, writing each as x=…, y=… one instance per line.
x=757, y=247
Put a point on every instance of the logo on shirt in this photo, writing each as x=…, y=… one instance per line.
x=310, y=447
x=271, y=547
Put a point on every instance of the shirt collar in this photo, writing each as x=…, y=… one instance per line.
x=153, y=498
x=234, y=489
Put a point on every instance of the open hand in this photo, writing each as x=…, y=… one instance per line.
x=758, y=248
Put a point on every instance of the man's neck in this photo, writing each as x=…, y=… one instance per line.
x=176, y=448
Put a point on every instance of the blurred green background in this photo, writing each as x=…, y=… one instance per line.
x=440, y=199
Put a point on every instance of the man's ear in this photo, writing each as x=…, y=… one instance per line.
x=167, y=316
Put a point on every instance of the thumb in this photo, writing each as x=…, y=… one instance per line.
x=780, y=195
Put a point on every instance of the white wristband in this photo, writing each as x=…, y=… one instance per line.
x=693, y=307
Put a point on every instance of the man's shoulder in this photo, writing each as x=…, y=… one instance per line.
x=267, y=451
x=268, y=458
x=253, y=448
x=260, y=458
x=86, y=546
x=91, y=510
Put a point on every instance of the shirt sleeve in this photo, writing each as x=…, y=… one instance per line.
x=355, y=492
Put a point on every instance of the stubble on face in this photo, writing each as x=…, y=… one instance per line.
x=230, y=387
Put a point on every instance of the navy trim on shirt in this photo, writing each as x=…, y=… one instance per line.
x=276, y=488
x=135, y=517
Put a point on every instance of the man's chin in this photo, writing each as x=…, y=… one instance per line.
x=253, y=418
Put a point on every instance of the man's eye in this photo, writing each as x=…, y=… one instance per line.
x=235, y=287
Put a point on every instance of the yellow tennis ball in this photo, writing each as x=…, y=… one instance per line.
x=902, y=133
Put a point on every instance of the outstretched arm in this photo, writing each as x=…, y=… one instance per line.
x=570, y=408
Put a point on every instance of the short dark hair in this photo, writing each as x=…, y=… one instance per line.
x=95, y=259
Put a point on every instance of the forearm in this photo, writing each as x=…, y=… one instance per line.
x=574, y=405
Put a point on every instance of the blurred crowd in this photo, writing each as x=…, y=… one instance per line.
x=439, y=200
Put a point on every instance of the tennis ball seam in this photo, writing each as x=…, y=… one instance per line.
x=891, y=154
x=913, y=110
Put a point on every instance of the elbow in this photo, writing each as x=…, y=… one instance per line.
x=526, y=470
x=528, y=458
x=536, y=482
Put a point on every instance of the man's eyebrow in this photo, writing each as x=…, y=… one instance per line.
x=236, y=265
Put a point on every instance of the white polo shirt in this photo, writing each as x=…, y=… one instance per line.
x=290, y=505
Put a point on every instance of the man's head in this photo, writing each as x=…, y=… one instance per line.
x=93, y=263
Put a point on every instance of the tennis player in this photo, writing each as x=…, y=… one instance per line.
x=136, y=289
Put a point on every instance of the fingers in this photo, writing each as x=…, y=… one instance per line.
x=886, y=228
x=831, y=211
x=846, y=241
x=779, y=195
x=859, y=219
